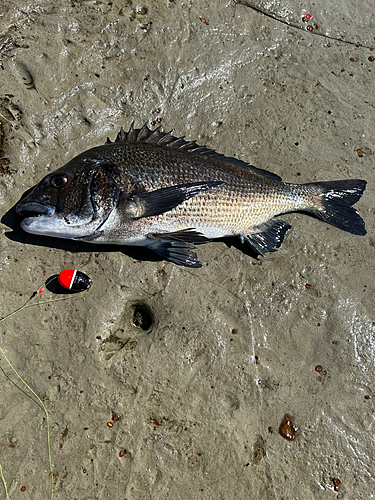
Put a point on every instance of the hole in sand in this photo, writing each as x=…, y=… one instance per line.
x=142, y=316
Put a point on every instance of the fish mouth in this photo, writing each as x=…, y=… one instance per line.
x=36, y=215
x=43, y=219
x=32, y=209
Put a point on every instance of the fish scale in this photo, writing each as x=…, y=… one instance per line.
x=150, y=188
x=261, y=204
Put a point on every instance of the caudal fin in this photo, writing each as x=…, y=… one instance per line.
x=333, y=203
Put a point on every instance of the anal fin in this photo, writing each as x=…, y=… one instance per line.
x=268, y=236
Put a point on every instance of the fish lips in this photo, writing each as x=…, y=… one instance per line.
x=42, y=219
x=36, y=216
x=34, y=209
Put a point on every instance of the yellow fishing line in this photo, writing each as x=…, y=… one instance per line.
x=4, y=483
x=29, y=303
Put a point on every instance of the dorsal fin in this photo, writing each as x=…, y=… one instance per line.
x=167, y=139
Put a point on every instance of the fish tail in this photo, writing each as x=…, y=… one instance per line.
x=332, y=202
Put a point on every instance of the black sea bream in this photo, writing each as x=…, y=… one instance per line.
x=152, y=189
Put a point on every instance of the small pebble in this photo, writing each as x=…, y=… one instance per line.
x=336, y=483
x=288, y=429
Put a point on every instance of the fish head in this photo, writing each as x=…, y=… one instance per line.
x=71, y=202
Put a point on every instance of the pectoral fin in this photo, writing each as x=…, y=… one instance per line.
x=163, y=200
x=180, y=252
x=177, y=247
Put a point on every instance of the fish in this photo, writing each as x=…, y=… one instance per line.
x=154, y=189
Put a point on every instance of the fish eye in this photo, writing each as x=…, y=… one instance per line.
x=58, y=181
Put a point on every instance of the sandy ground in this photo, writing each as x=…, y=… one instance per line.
x=197, y=396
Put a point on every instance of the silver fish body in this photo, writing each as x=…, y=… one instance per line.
x=153, y=189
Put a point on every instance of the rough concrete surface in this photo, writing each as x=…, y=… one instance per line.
x=198, y=395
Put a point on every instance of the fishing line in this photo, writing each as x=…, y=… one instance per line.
x=5, y=484
x=71, y=280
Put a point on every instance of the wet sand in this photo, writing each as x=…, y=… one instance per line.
x=196, y=395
